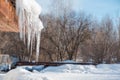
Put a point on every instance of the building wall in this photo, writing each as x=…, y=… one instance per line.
x=8, y=18
x=7, y=10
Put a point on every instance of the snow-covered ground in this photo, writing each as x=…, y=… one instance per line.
x=66, y=72
x=2, y=76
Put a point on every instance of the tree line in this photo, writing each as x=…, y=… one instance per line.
x=68, y=35
x=81, y=38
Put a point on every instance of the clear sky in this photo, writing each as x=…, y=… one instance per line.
x=98, y=8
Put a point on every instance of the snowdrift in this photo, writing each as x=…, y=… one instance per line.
x=99, y=69
x=22, y=74
x=67, y=72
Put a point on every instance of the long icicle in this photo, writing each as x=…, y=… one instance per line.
x=30, y=25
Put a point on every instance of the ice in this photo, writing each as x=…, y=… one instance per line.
x=30, y=25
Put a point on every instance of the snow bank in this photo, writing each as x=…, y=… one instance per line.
x=99, y=69
x=69, y=68
x=68, y=72
x=107, y=69
x=1, y=76
x=14, y=74
x=22, y=74
x=32, y=68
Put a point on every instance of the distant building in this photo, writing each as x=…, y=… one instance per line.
x=5, y=59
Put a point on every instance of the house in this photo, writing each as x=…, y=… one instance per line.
x=5, y=59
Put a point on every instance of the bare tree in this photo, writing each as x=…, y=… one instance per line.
x=103, y=42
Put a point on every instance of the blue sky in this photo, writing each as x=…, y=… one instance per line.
x=98, y=8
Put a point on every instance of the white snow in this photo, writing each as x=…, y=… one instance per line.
x=30, y=25
x=67, y=72
x=22, y=74
x=32, y=68
x=71, y=69
x=86, y=69
x=1, y=76
x=14, y=74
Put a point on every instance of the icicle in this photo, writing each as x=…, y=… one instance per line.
x=30, y=25
x=38, y=44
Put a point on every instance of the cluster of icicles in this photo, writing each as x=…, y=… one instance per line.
x=30, y=25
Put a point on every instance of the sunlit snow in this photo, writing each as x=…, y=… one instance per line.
x=66, y=72
x=30, y=25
